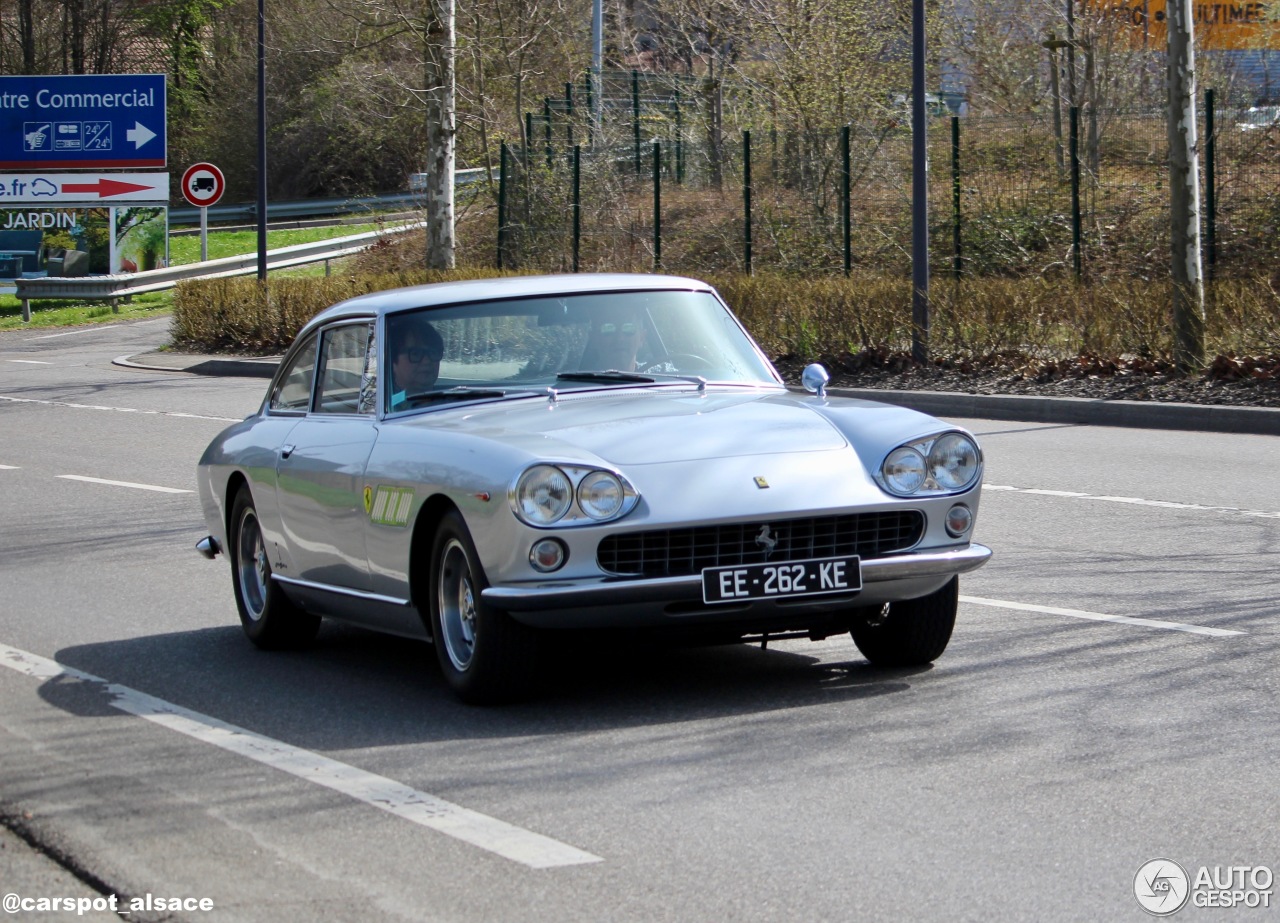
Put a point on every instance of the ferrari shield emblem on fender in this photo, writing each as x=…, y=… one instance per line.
x=368, y=499
x=761, y=482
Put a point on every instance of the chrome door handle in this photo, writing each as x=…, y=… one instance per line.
x=286, y=450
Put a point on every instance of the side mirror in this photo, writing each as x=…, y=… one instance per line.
x=815, y=378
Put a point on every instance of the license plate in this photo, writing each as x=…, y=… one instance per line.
x=782, y=580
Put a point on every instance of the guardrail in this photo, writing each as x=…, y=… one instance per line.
x=124, y=286
x=312, y=207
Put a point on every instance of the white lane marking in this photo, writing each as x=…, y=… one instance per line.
x=154, y=413
x=1101, y=617
x=507, y=840
x=1136, y=501
x=71, y=333
x=8, y=467
x=163, y=490
x=29, y=361
x=95, y=328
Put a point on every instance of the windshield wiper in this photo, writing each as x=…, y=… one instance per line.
x=646, y=378
x=459, y=393
x=609, y=375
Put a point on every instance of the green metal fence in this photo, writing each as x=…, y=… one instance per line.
x=671, y=179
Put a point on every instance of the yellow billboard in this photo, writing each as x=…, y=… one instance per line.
x=1219, y=24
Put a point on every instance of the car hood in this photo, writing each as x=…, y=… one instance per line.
x=658, y=425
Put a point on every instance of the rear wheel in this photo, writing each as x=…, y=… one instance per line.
x=909, y=633
x=269, y=618
x=486, y=656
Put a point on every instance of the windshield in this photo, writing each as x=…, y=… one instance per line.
x=531, y=344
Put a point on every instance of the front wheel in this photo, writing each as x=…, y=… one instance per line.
x=912, y=632
x=486, y=656
x=269, y=618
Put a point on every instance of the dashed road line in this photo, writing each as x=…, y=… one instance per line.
x=158, y=489
x=71, y=333
x=488, y=833
x=154, y=413
x=1102, y=617
x=9, y=468
x=96, y=328
x=29, y=361
x=1135, y=501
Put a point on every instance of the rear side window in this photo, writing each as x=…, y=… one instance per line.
x=293, y=393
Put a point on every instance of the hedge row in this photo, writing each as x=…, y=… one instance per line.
x=981, y=322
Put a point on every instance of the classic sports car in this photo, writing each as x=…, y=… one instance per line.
x=486, y=464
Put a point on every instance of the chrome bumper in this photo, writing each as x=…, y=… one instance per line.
x=599, y=591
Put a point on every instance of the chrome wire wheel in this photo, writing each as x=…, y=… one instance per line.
x=252, y=569
x=457, y=602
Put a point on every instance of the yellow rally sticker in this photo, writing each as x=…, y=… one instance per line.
x=390, y=505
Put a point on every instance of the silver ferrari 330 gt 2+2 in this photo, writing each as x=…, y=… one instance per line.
x=490, y=464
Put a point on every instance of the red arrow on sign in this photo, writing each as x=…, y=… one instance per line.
x=105, y=188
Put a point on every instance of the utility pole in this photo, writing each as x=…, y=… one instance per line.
x=262, y=142
x=1184, y=190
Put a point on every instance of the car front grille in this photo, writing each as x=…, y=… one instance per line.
x=682, y=552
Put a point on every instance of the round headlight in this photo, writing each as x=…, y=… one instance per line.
x=953, y=461
x=600, y=495
x=904, y=470
x=543, y=495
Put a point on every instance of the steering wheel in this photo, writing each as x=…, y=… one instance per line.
x=688, y=363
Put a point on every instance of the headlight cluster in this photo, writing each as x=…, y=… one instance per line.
x=569, y=495
x=945, y=464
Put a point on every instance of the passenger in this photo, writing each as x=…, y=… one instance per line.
x=415, y=362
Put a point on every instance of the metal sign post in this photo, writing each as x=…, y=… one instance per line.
x=202, y=186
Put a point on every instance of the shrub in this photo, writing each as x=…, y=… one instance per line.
x=1001, y=322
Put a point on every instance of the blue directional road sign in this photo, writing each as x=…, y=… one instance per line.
x=91, y=121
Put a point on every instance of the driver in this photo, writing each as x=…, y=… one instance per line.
x=617, y=333
x=417, y=349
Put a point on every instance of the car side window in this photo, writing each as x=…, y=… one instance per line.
x=343, y=364
x=293, y=393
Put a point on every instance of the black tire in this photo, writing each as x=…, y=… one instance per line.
x=486, y=656
x=911, y=633
x=270, y=619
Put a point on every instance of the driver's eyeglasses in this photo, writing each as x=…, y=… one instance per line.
x=418, y=353
x=627, y=330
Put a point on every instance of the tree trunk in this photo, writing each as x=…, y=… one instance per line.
x=75, y=14
x=441, y=129
x=1184, y=191
x=27, y=29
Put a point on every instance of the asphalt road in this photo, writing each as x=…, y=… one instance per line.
x=1109, y=697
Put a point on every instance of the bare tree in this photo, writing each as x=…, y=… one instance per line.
x=440, y=36
x=1184, y=190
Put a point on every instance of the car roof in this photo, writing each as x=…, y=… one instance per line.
x=438, y=294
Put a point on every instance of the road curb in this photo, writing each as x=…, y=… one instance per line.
x=1026, y=408
x=201, y=365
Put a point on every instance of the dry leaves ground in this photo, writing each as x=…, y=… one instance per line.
x=1248, y=381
